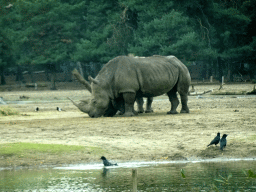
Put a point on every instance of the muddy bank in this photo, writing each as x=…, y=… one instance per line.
x=146, y=137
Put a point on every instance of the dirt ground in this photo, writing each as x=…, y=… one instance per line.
x=156, y=136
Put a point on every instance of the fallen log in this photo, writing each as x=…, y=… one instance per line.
x=36, y=85
x=228, y=92
x=220, y=91
x=252, y=92
x=199, y=93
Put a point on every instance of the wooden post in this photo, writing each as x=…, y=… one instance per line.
x=80, y=68
x=134, y=180
x=211, y=79
x=222, y=80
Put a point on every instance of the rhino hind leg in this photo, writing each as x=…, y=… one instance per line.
x=148, y=107
x=174, y=101
x=140, y=102
x=184, y=102
x=183, y=88
x=129, y=99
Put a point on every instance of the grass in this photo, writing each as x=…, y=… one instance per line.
x=253, y=137
x=7, y=111
x=25, y=149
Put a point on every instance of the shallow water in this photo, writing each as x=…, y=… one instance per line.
x=164, y=176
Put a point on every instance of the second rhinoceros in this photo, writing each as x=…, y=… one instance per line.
x=124, y=78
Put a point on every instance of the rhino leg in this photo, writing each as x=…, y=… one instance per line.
x=148, y=107
x=140, y=102
x=184, y=102
x=183, y=88
x=174, y=101
x=111, y=111
x=129, y=99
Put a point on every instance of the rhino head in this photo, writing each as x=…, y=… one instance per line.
x=99, y=104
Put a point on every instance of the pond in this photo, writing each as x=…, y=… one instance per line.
x=152, y=176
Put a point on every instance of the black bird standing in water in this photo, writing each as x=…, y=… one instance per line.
x=223, y=141
x=106, y=162
x=215, y=141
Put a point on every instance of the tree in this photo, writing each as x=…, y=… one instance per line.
x=52, y=38
x=6, y=58
x=163, y=30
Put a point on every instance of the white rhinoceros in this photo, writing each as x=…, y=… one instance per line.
x=115, y=105
x=124, y=78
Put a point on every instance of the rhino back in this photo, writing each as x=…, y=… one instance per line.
x=151, y=76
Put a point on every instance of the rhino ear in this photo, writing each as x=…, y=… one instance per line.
x=93, y=80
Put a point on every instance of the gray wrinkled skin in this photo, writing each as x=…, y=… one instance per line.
x=123, y=79
x=116, y=105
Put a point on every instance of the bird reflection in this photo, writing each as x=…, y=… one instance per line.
x=104, y=173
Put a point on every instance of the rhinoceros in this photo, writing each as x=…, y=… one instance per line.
x=118, y=105
x=124, y=78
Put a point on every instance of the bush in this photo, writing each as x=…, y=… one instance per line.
x=7, y=111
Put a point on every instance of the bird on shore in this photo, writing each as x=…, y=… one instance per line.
x=59, y=109
x=106, y=162
x=223, y=141
x=215, y=141
x=37, y=109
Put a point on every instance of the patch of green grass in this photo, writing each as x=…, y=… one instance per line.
x=7, y=111
x=24, y=149
x=253, y=138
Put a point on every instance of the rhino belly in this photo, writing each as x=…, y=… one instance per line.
x=156, y=89
x=158, y=79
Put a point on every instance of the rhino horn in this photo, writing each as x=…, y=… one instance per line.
x=82, y=80
x=93, y=80
x=82, y=106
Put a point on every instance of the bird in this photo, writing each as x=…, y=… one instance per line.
x=215, y=141
x=59, y=109
x=223, y=141
x=37, y=109
x=106, y=162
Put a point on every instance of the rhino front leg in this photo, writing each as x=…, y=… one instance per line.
x=129, y=99
x=174, y=101
x=148, y=107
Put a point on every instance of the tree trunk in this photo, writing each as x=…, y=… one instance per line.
x=31, y=76
x=53, y=80
x=67, y=72
x=252, y=68
x=204, y=69
x=210, y=68
x=19, y=75
x=220, y=68
x=47, y=73
x=80, y=69
x=3, y=82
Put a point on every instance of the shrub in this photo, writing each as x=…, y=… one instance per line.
x=7, y=111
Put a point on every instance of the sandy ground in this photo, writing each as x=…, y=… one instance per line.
x=156, y=136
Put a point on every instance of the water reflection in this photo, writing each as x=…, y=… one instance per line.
x=206, y=176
